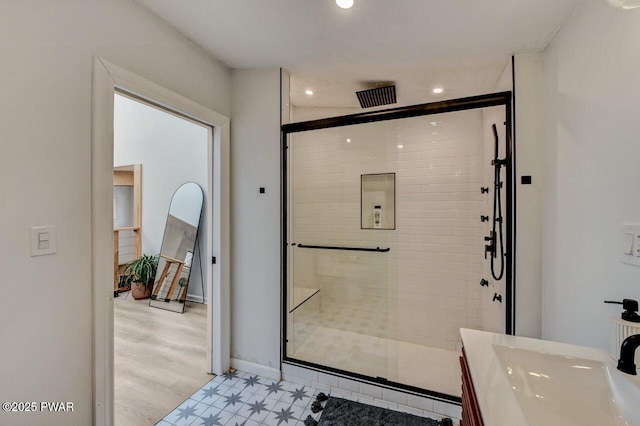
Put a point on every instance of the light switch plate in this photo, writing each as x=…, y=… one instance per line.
x=43, y=240
x=630, y=243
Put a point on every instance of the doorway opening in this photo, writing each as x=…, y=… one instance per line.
x=160, y=357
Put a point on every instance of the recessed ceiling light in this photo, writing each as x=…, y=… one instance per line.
x=400, y=146
x=438, y=90
x=309, y=92
x=348, y=140
x=344, y=4
x=434, y=123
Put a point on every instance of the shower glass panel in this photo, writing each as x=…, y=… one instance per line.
x=388, y=303
x=338, y=298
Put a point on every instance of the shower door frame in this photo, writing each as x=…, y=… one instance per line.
x=462, y=104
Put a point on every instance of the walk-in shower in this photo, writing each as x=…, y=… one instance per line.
x=386, y=218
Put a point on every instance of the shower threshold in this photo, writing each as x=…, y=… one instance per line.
x=392, y=363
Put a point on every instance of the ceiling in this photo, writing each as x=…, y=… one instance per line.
x=460, y=45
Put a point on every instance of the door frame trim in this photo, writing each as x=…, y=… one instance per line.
x=106, y=79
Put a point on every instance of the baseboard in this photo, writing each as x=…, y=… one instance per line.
x=195, y=298
x=253, y=368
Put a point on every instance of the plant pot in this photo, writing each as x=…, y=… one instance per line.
x=140, y=290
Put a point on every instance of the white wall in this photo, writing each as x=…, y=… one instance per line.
x=123, y=218
x=122, y=206
x=45, y=133
x=255, y=217
x=172, y=151
x=529, y=127
x=529, y=109
x=591, y=171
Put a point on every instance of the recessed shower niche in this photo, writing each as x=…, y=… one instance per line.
x=378, y=201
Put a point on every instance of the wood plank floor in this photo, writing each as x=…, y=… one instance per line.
x=160, y=359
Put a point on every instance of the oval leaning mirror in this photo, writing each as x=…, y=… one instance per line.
x=178, y=247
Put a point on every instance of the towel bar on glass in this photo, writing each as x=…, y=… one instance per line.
x=377, y=249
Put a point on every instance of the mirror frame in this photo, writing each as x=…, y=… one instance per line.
x=168, y=303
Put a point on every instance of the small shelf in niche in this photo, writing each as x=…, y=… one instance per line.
x=378, y=201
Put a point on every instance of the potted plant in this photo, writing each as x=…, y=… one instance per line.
x=141, y=272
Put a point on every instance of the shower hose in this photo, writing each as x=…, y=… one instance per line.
x=497, y=214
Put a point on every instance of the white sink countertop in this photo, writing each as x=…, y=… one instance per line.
x=523, y=381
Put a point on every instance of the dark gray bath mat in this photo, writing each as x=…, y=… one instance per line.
x=340, y=412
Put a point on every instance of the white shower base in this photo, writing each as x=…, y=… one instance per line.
x=421, y=366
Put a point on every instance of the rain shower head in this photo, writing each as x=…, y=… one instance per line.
x=382, y=94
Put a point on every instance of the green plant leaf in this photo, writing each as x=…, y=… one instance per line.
x=142, y=269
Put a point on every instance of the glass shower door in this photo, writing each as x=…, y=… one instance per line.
x=387, y=222
x=337, y=284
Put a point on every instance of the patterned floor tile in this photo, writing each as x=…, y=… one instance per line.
x=243, y=399
x=213, y=417
x=299, y=396
x=257, y=408
x=282, y=416
x=186, y=413
x=209, y=393
x=246, y=400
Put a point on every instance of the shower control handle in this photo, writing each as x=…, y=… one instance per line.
x=490, y=248
x=497, y=297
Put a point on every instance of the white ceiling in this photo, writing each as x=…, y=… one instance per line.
x=462, y=45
